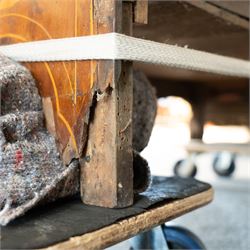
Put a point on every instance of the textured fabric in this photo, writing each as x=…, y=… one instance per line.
x=144, y=110
x=116, y=46
x=30, y=167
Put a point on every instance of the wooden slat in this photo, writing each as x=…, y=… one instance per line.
x=127, y=228
x=107, y=175
x=220, y=12
x=198, y=146
x=239, y=7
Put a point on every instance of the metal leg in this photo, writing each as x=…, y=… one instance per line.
x=224, y=164
x=181, y=238
x=186, y=167
x=153, y=239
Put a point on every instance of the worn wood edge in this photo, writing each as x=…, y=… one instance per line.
x=130, y=227
x=49, y=115
x=221, y=13
x=107, y=177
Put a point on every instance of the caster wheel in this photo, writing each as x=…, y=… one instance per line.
x=224, y=164
x=185, y=168
x=181, y=238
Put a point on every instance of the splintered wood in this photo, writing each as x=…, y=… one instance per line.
x=107, y=175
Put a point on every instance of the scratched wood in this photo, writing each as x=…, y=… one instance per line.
x=65, y=86
x=107, y=174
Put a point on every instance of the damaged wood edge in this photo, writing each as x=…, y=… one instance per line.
x=132, y=226
x=107, y=171
x=68, y=152
x=49, y=115
x=221, y=13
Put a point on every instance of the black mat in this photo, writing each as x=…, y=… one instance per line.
x=61, y=220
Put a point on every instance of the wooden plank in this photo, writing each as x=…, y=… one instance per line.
x=197, y=146
x=141, y=12
x=107, y=174
x=240, y=8
x=68, y=86
x=223, y=13
x=130, y=227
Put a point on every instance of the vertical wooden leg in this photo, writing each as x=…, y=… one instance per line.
x=197, y=122
x=107, y=171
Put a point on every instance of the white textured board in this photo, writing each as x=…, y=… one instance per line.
x=114, y=46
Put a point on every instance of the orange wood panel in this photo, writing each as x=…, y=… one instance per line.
x=67, y=84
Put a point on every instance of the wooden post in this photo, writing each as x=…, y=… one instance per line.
x=141, y=12
x=107, y=171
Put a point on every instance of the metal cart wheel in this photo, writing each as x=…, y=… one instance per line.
x=185, y=167
x=224, y=164
x=181, y=238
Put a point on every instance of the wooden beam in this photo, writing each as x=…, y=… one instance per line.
x=130, y=227
x=217, y=10
x=240, y=7
x=141, y=12
x=197, y=146
x=107, y=171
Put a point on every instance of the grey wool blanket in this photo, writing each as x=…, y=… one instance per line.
x=31, y=171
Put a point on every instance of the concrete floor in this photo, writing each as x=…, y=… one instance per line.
x=223, y=224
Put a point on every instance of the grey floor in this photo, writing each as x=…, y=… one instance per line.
x=225, y=223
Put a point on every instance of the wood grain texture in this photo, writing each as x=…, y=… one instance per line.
x=130, y=227
x=67, y=84
x=107, y=174
x=141, y=12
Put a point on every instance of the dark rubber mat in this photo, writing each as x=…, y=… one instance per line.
x=53, y=223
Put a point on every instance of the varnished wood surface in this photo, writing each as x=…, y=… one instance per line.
x=127, y=228
x=68, y=85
